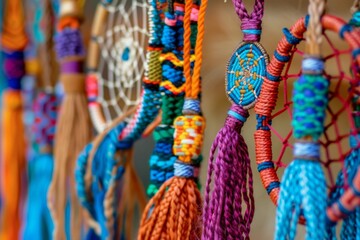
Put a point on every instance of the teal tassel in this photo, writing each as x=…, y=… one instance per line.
x=303, y=193
x=303, y=188
x=38, y=223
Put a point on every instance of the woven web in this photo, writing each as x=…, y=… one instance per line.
x=338, y=124
x=122, y=58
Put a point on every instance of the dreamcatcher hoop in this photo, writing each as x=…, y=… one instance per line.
x=267, y=165
x=116, y=59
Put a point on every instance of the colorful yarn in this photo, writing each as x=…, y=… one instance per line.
x=224, y=217
x=189, y=131
x=174, y=211
x=45, y=108
x=245, y=72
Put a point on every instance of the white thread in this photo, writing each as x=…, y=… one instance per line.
x=120, y=75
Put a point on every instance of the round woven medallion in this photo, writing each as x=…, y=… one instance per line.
x=245, y=73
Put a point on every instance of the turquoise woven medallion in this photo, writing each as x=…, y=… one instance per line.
x=245, y=73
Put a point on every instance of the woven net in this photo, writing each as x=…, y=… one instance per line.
x=122, y=56
x=339, y=123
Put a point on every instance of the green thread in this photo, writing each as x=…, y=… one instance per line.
x=310, y=98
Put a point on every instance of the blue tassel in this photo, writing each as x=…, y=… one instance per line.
x=38, y=220
x=101, y=171
x=303, y=188
x=303, y=193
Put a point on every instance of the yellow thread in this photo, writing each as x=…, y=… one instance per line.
x=188, y=141
x=172, y=88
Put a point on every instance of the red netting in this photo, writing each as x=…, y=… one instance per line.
x=339, y=122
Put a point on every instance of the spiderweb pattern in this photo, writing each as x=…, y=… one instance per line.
x=122, y=59
x=339, y=123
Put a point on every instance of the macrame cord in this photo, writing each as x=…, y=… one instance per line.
x=174, y=211
x=224, y=216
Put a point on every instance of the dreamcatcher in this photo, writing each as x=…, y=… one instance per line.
x=116, y=75
x=117, y=60
x=303, y=193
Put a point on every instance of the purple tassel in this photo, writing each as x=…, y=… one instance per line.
x=223, y=216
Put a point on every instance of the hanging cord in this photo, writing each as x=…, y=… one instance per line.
x=73, y=128
x=174, y=212
x=303, y=191
x=13, y=150
x=229, y=202
x=250, y=24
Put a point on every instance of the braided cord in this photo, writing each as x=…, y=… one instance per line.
x=250, y=24
x=193, y=84
x=314, y=33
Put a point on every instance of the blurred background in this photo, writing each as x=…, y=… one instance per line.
x=222, y=36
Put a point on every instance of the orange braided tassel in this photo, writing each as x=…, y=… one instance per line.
x=13, y=164
x=174, y=212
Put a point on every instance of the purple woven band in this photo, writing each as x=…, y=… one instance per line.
x=72, y=67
